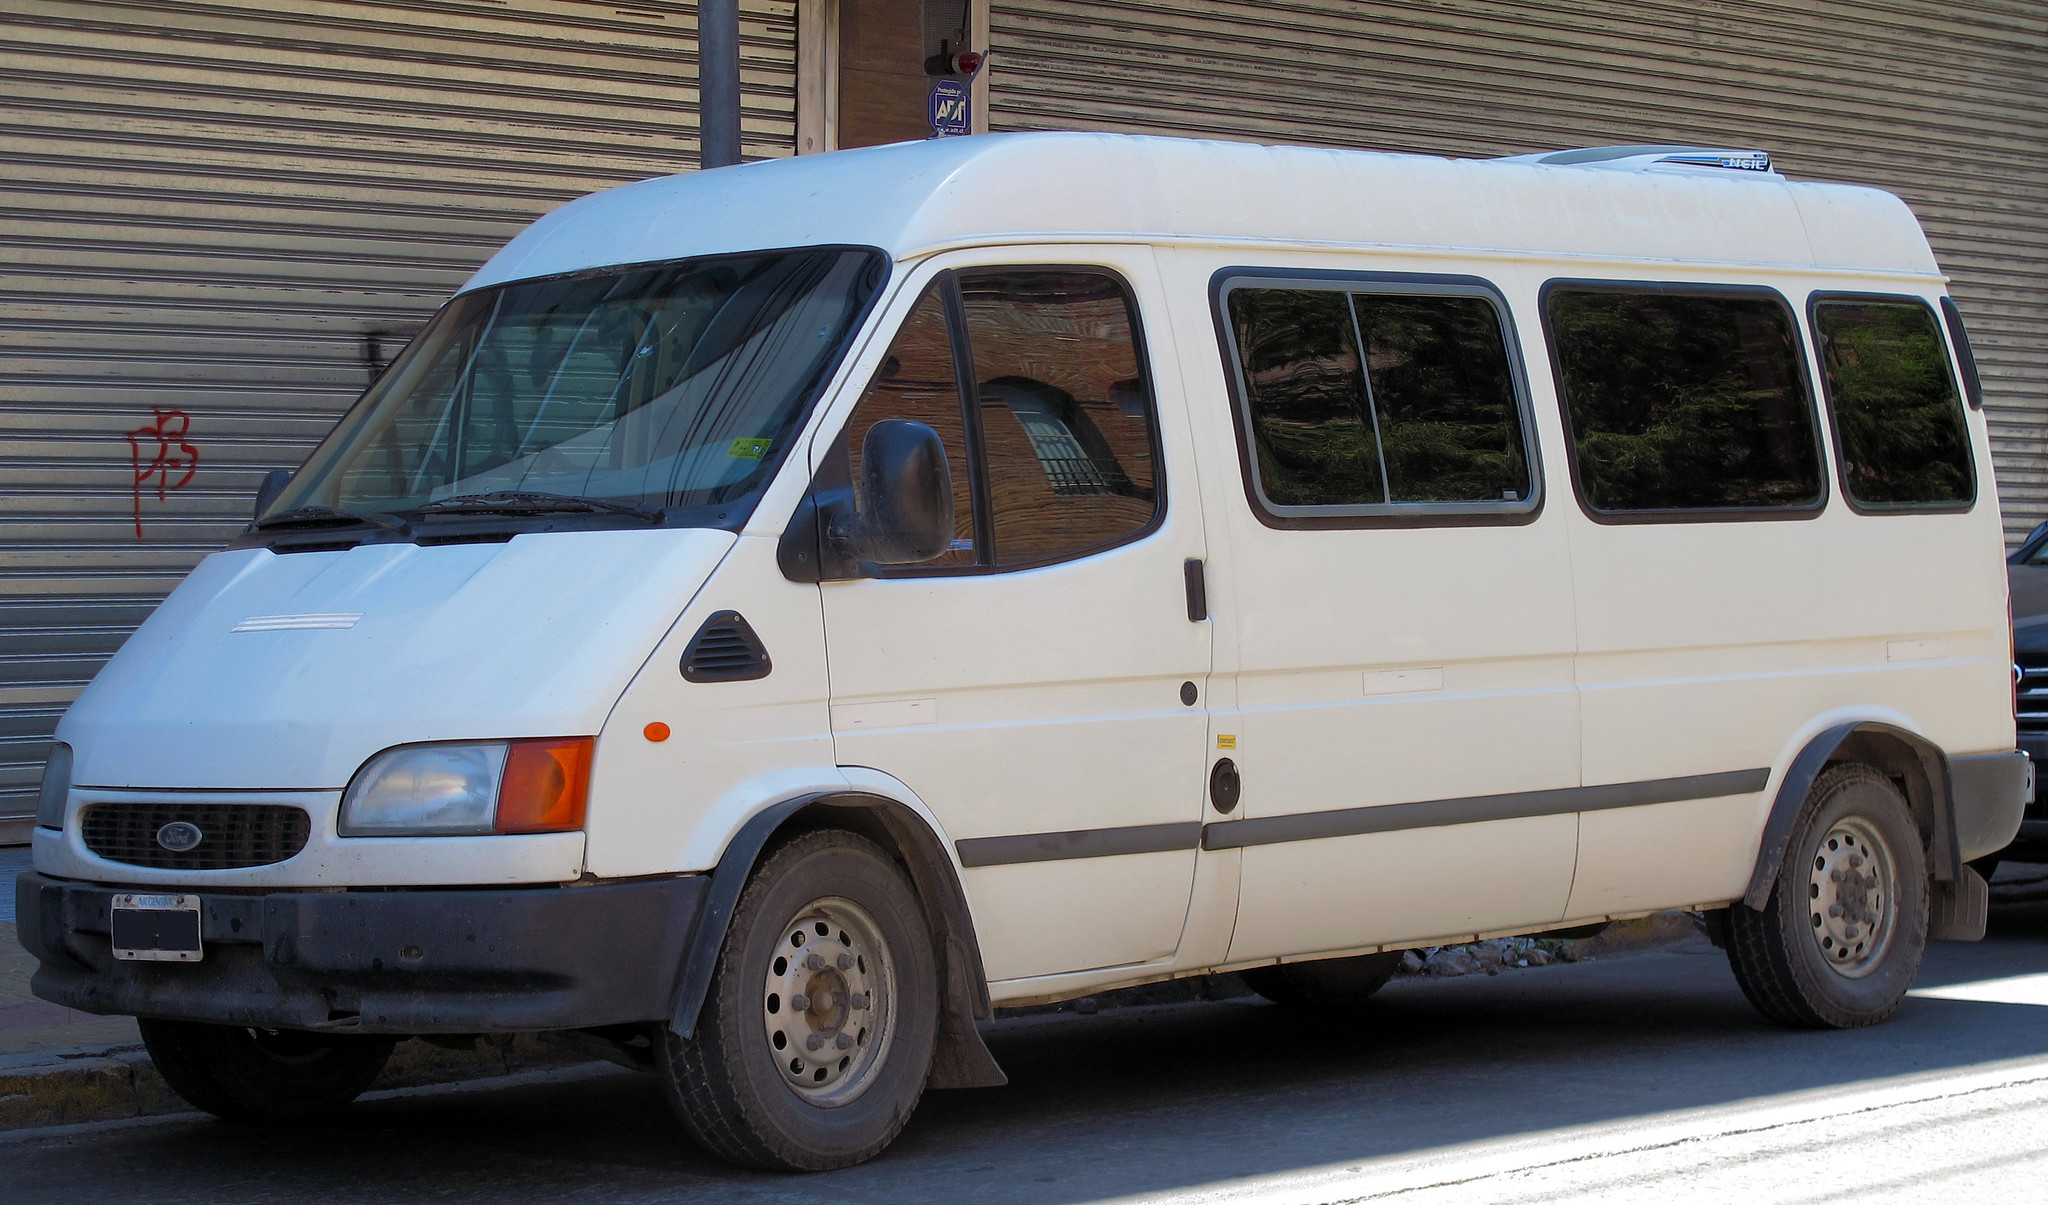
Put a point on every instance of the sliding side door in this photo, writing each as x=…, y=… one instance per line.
x=1407, y=733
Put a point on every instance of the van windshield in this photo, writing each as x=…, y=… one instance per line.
x=673, y=390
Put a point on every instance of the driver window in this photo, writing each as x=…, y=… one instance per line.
x=1065, y=414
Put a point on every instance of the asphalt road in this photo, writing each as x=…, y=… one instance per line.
x=1639, y=1078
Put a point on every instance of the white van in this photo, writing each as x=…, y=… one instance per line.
x=775, y=615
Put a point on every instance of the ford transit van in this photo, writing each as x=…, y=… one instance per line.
x=772, y=617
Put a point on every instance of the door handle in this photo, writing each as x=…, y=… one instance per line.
x=1224, y=785
x=1198, y=590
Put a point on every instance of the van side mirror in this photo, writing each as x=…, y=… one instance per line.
x=904, y=516
x=273, y=484
x=906, y=498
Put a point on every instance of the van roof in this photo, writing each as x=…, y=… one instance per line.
x=914, y=198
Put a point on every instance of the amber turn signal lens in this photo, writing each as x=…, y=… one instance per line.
x=656, y=732
x=545, y=787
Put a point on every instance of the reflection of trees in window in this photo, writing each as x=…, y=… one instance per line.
x=1444, y=397
x=1315, y=442
x=1428, y=414
x=1904, y=441
x=1684, y=402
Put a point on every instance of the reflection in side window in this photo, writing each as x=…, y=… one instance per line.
x=1379, y=399
x=1066, y=419
x=918, y=381
x=1904, y=443
x=1684, y=402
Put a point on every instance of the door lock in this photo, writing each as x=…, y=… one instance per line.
x=1224, y=785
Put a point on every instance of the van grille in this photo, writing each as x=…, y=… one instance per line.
x=2032, y=697
x=234, y=835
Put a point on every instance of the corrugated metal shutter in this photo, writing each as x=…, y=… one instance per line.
x=1945, y=104
x=217, y=218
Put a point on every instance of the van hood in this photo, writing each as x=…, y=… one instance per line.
x=287, y=672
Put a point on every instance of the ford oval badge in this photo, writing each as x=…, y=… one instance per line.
x=180, y=836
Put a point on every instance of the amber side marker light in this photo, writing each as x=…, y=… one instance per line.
x=546, y=785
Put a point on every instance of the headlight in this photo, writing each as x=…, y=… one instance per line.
x=56, y=787
x=443, y=790
x=424, y=789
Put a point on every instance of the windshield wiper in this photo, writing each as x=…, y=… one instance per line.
x=531, y=502
x=317, y=516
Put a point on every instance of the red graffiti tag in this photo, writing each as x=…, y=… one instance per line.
x=171, y=457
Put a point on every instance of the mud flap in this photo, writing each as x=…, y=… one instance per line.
x=1957, y=910
x=961, y=1059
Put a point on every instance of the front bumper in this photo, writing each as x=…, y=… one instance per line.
x=389, y=962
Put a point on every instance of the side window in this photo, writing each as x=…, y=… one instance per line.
x=1684, y=401
x=1369, y=401
x=1064, y=412
x=1898, y=417
x=918, y=380
x=1052, y=448
x=1444, y=396
x=1310, y=423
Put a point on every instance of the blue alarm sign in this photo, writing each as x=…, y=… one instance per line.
x=951, y=108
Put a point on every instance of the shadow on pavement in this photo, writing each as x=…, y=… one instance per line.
x=1135, y=1101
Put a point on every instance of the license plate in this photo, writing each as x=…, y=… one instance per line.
x=156, y=928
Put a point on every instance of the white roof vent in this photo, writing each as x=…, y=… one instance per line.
x=1655, y=158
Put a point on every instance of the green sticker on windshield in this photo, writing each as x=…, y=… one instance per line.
x=750, y=448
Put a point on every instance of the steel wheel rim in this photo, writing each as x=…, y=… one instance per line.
x=828, y=1004
x=1852, y=899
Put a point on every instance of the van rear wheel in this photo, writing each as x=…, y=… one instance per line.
x=1841, y=937
x=1324, y=983
x=245, y=1074
x=816, y=1039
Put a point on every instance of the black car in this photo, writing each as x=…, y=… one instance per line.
x=2027, y=570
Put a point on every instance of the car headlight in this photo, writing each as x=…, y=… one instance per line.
x=56, y=787
x=491, y=787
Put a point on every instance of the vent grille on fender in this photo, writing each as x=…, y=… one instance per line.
x=725, y=649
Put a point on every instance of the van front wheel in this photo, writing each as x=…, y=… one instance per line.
x=245, y=1074
x=817, y=1036
x=1840, y=939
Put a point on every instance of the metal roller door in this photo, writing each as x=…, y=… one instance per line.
x=1945, y=104
x=219, y=218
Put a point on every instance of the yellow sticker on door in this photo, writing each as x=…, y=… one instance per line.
x=1226, y=742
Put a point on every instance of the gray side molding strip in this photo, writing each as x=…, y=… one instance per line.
x=1346, y=822
x=1518, y=805
x=1080, y=843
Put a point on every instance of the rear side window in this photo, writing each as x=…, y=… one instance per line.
x=1679, y=401
x=1898, y=415
x=1034, y=380
x=1378, y=401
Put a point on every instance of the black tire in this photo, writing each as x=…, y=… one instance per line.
x=1788, y=959
x=1325, y=983
x=263, y=1074
x=755, y=1105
